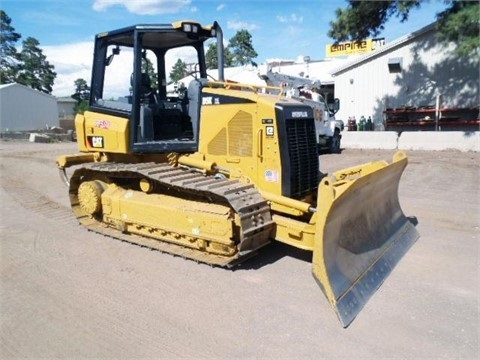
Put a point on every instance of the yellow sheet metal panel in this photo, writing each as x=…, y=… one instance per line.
x=104, y=133
x=241, y=135
x=195, y=218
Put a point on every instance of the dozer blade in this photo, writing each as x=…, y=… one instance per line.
x=361, y=233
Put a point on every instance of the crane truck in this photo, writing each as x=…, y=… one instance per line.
x=218, y=173
x=328, y=129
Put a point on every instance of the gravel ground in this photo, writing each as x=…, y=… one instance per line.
x=68, y=293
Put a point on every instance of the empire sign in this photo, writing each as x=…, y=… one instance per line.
x=354, y=47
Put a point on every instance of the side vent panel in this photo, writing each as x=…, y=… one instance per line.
x=240, y=137
x=218, y=146
x=236, y=139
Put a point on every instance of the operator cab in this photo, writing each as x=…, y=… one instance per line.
x=129, y=80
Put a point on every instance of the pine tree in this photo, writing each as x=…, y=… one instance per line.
x=212, y=60
x=460, y=24
x=178, y=71
x=241, y=48
x=147, y=67
x=8, y=53
x=82, y=93
x=35, y=71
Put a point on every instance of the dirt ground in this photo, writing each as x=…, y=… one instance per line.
x=70, y=294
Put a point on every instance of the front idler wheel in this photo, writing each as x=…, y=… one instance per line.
x=90, y=196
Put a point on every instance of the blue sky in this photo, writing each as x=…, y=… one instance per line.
x=279, y=28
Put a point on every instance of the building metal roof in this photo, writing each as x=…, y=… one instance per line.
x=384, y=49
x=25, y=88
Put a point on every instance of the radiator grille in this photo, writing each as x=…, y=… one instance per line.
x=303, y=156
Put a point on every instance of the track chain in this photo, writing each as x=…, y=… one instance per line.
x=254, y=217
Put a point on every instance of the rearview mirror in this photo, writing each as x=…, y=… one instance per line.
x=109, y=59
x=334, y=106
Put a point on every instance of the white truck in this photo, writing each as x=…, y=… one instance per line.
x=308, y=91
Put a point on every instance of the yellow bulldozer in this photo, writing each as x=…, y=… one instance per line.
x=214, y=171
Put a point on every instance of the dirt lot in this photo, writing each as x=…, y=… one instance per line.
x=69, y=293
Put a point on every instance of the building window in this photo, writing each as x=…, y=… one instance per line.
x=395, y=65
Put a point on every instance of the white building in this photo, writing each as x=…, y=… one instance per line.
x=23, y=108
x=412, y=72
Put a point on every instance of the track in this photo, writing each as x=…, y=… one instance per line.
x=252, y=211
